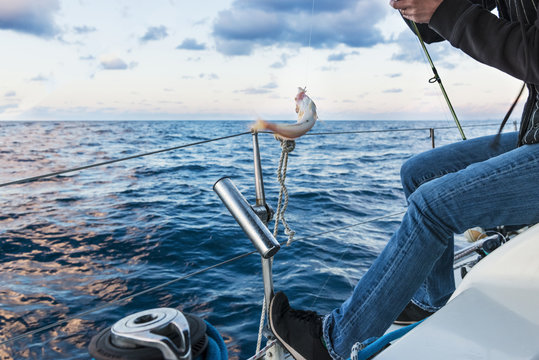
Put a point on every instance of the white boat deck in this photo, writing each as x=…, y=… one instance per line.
x=493, y=314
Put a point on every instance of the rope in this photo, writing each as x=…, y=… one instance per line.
x=287, y=147
x=260, y=353
x=261, y=325
x=355, y=351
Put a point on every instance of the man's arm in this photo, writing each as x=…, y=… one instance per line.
x=511, y=47
x=431, y=36
x=489, y=39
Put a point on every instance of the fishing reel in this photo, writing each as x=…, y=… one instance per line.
x=156, y=334
x=484, y=243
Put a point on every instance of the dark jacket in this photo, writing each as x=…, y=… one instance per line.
x=509, y=43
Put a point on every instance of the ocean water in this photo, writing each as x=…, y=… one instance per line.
x=78, y=241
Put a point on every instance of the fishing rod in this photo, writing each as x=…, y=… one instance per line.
x=437, y=79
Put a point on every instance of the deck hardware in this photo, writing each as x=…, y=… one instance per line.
x=165, y=329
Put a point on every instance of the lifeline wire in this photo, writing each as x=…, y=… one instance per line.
x=33, y=178
x=437, y=79
x=390, y=130
x=39, y=177
x=170, y=282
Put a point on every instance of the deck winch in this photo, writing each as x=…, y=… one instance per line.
x=155, y=334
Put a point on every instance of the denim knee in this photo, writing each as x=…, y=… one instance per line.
x=411, y=175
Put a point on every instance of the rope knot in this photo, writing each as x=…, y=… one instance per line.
x=287, y=145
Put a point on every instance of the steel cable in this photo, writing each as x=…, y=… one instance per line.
x=61, y=172
x=39, y=177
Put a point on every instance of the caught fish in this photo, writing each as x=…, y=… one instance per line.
x=306, y=110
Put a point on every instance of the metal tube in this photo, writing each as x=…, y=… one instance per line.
x=432, y=136
x=472, y=248
x=267, y=276
x=251, y=224
x=259, y=181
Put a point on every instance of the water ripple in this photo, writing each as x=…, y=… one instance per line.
x=80, y=240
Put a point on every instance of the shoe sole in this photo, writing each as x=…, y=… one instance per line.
x=398, y=322
x=283, y=343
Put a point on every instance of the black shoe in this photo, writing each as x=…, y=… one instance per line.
x=300, y=332
x=412, y=314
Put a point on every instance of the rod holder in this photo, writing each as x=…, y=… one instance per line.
x=254, y=228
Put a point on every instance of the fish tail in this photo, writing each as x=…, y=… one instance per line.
x=259, y=125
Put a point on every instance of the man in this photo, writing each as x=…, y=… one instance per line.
x=448, y=189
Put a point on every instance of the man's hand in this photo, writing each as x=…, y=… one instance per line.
x=419, y=11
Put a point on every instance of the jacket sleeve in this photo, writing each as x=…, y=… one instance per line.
x=430, y=36
x=427, y=34
x=489, y=39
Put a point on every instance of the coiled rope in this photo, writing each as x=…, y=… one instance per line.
x=287, y=147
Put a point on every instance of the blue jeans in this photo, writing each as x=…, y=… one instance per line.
x=449, y=190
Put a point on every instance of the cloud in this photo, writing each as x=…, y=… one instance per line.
x=211, y=76
x=39, y=78
x=264, y=89
x=271, y=85
x=112, y=62
x=155, y=33
x=392, y=91
x=341, y=56
x=35, y=17
x=10, y=94
x=282, y=63
x=3, y=108
x=409, y=50
x=201, y=22
x=255, y=91
x=191, y=44
x=250, y=24
x=328, y=68
x=88, y=57
x=394, y=75
x=84, y=29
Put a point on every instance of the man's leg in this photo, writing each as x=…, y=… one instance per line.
x=497, y=191
x=422, y=168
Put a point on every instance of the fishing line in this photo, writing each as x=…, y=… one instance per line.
x=309, y=48
x=348, y=247
x=436, y=78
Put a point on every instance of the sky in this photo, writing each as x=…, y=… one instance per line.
x=231, y=59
